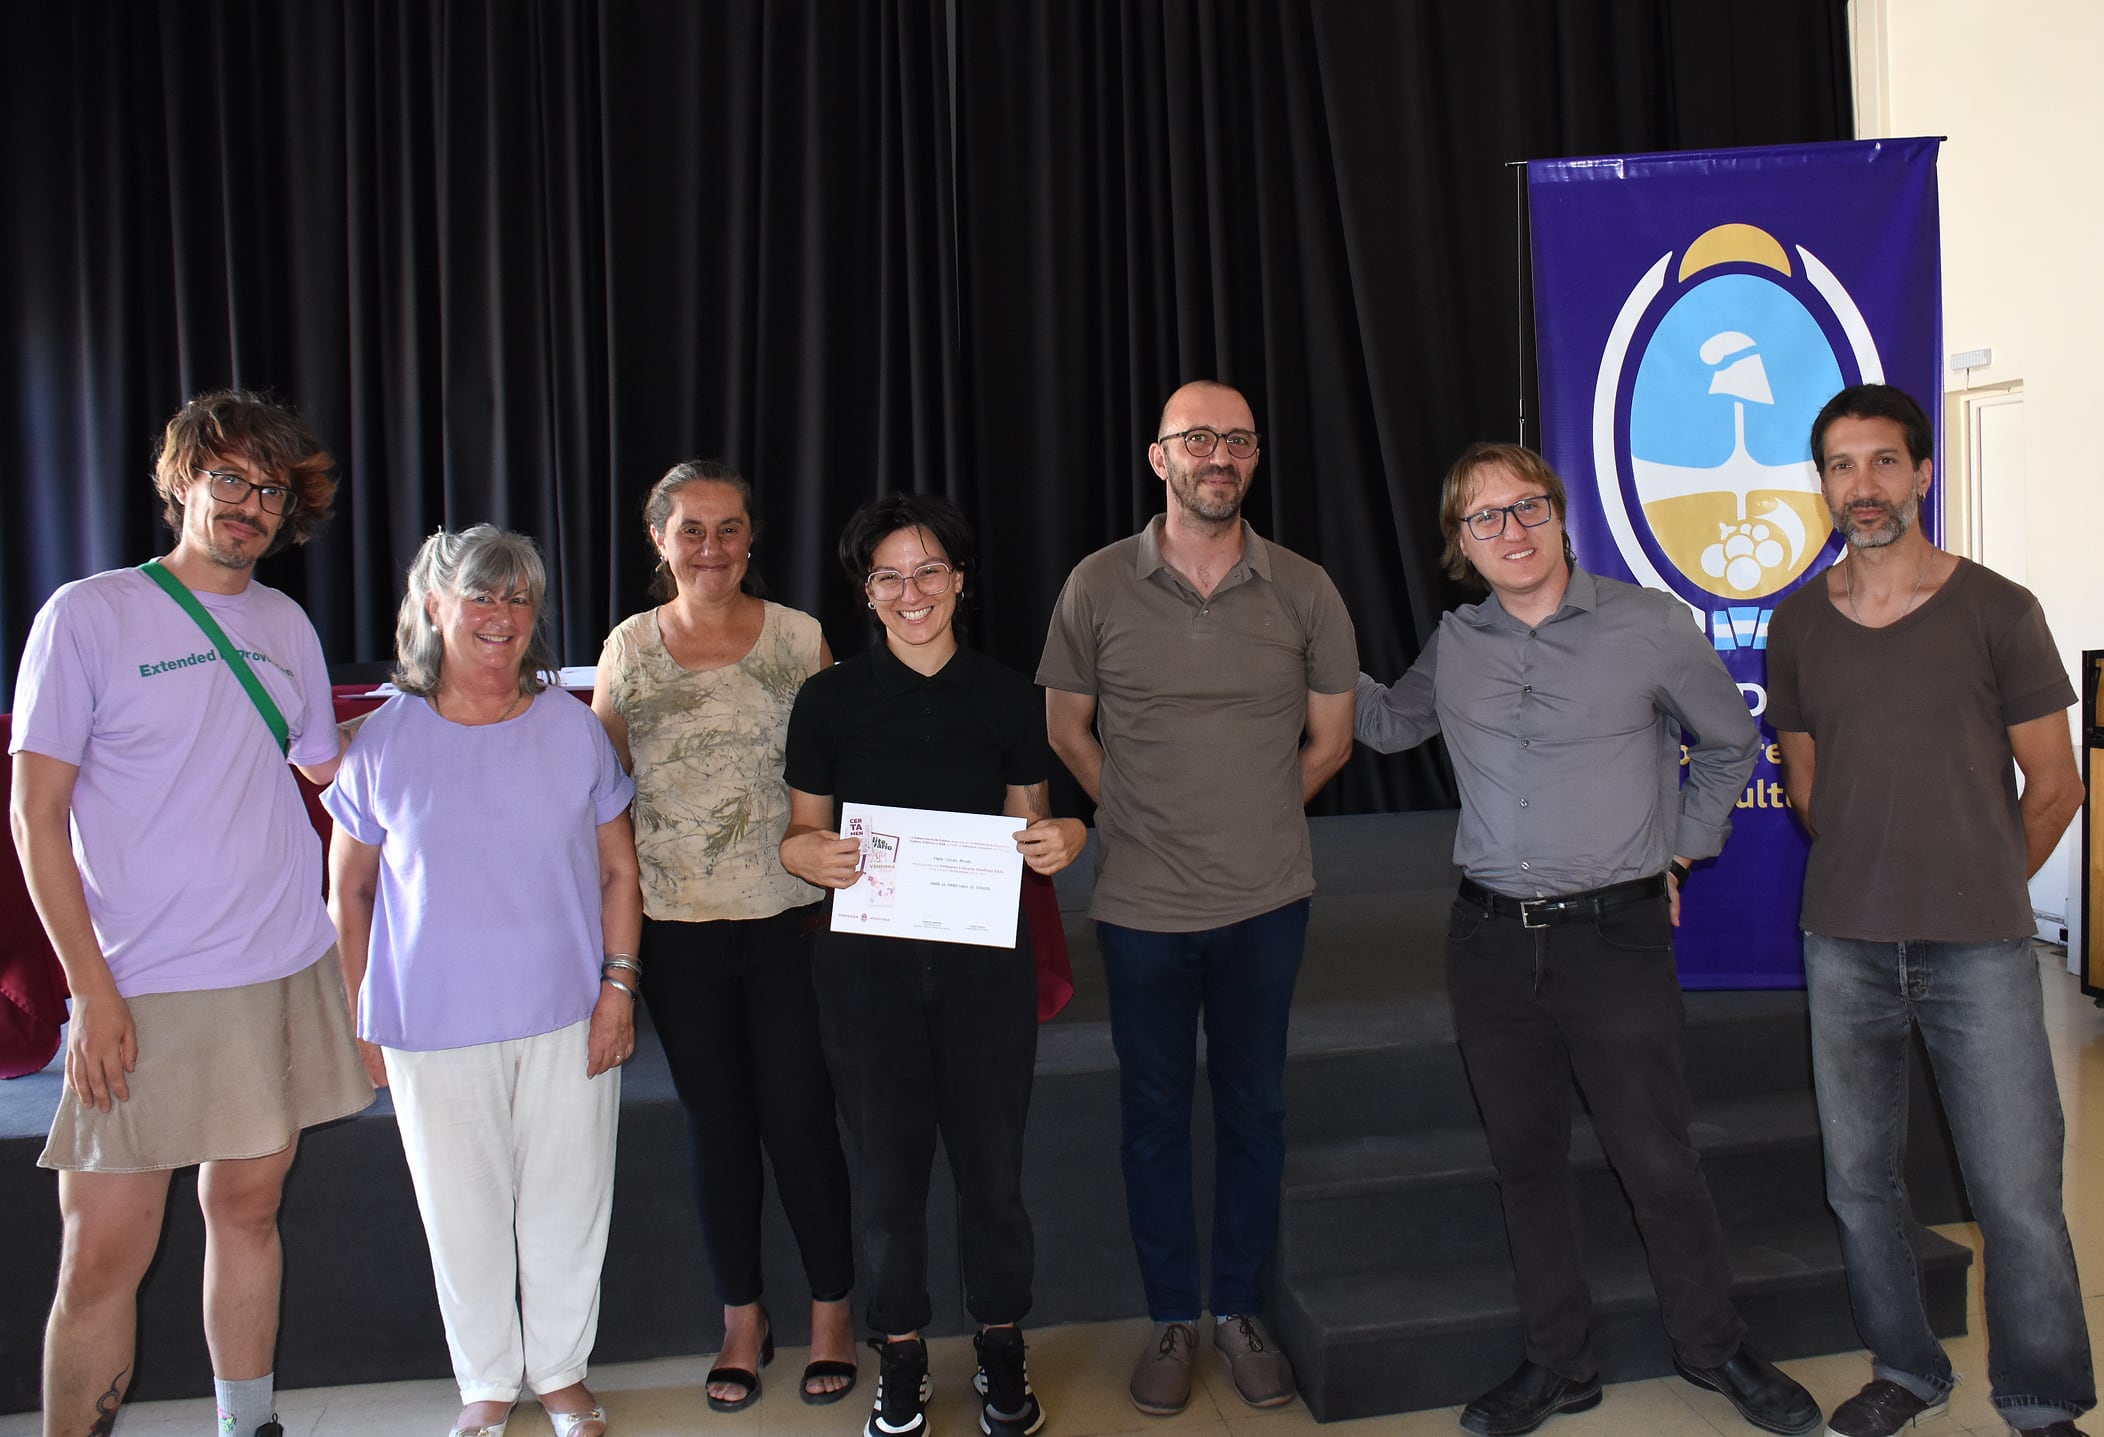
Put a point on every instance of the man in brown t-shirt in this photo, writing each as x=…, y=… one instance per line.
x=1217, y=671
x=1902, y=683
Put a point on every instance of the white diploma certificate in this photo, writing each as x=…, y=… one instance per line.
x=949, y=877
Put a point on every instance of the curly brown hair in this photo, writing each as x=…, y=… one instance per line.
x=225, y=424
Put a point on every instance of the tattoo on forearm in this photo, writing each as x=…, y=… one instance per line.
x=106, y=1405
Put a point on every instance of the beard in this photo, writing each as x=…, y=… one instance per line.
x=1894, y=520
x=227, y=552
x=1200, y=505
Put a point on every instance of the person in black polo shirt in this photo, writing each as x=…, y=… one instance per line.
x=925, y=1036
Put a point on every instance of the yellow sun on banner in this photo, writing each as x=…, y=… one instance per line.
x=1734, y=244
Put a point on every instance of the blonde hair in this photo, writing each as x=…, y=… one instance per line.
x=1527, y=466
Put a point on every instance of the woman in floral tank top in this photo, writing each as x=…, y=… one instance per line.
x=696, y=696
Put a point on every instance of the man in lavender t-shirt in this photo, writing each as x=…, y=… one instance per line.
x=173, y=865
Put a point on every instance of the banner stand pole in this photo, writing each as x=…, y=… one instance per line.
x=1519, y=293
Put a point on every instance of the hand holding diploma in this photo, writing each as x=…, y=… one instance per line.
x=821, y=856
x=1050, y=844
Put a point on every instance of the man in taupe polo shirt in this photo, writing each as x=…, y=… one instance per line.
x=1217, y=669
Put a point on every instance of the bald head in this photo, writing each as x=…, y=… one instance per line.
x=1215, y=405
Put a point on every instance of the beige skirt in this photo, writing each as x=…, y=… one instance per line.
x=222, y=1073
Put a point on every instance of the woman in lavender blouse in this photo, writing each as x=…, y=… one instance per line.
x=483, y=882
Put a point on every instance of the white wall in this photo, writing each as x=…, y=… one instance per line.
x=2013, y=86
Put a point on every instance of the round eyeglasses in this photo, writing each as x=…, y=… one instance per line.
x=1200, y=443
x=931, y=579
x=1531, y=512
x=233, y=489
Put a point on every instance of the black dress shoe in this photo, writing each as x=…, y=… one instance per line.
x=1763, y=1395
x=1526, y=1399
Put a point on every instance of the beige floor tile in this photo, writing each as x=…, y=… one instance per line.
x=419, y=1409
x=1080, y=1373
x=1832, y=1378
x=1435, y=1422
x=1666, y=1406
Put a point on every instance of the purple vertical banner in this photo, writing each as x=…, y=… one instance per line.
x=1693, y=312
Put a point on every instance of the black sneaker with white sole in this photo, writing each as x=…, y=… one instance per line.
x=902, y=1390
x=1011, y=1409
x=1882, y=1409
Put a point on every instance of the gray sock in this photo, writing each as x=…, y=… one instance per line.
x=245, y=1406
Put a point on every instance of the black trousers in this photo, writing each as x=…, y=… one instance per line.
x=927, y=1038
x=733, y=1004
x=1598, y=998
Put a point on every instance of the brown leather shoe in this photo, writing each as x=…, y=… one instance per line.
x=1263, y=1376
x=1161, y=1379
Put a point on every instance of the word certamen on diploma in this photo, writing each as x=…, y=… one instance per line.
x=926, y=873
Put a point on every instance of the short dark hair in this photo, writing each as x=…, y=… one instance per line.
x=882, y=517
x=227, y=424
x=657, y=512
x=1526, y=465
x=1876, y=401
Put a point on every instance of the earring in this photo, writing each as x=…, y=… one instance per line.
x=871, y=606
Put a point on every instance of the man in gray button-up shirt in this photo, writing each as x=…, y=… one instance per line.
x=1566, y=699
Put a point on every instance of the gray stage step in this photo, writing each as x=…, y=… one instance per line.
x=1396, y=1335
x=1434, y=1190
x=1391, y=1287
x=1373, y=1074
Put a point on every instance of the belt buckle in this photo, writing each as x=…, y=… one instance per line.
x=1527, y=907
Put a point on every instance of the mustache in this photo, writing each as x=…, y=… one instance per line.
x=1885, y=526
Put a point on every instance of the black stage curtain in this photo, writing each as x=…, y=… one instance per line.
x=514, y=258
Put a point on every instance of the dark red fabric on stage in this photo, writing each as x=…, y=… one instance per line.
x=32, y=986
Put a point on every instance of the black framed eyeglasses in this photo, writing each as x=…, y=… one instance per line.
x=1532, y=513
x=230, y=488
x=932, y=579
x=1200, y=443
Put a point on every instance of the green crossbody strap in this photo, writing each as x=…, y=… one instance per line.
x=231, y=656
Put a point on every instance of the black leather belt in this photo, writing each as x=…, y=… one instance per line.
x=1567, y=907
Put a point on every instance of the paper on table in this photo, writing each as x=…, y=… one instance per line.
x=927, y=873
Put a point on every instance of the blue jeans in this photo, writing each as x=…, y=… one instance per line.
x=1240, y=978
x=1979, y=1011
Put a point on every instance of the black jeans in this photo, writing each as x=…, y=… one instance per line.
x=732, y=1003
x=926, y=1038
x=1598, y=998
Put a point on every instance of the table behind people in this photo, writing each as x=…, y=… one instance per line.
x=695, y=694
x=481, y=864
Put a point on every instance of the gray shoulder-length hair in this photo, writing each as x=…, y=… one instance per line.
x=484, y=559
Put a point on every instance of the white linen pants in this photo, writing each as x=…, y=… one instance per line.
x=511, y=1149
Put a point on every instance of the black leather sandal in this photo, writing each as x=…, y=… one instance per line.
x=740, y=1376
x=827, y=1367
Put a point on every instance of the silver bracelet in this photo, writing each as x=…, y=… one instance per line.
x=621, y=985
x=619, y=963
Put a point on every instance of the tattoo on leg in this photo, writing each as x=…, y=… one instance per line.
x=106, y=1405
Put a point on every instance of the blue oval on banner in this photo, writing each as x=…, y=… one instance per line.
x=1720, y=417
